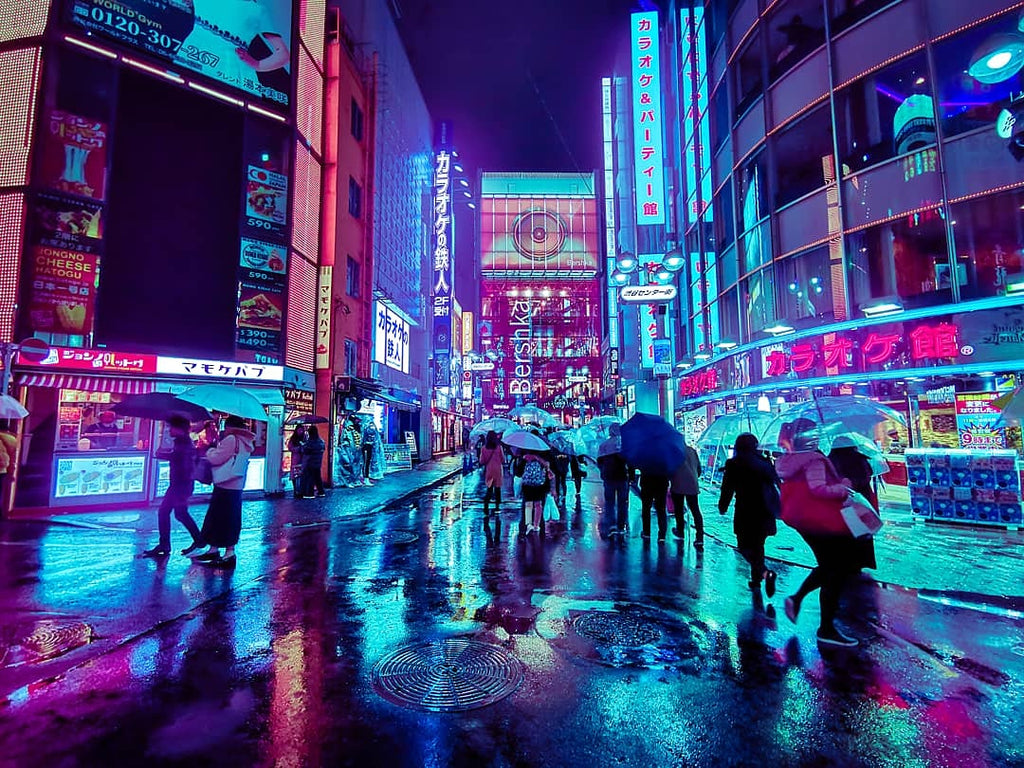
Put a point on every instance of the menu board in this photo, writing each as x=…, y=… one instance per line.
x=96, y=475
x=240, y=43
x=397, y=457
x=74, y=155
x=266, y=201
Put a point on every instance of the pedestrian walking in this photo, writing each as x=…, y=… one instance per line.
x=560, y=468
x=578, y=472
x=685, y=490
x=223, y=523
x=856, y=467
x=752, y=479
x=492, y=459
x=366, y=445
x=812, y=496
x=616, y=476
x=653, y=493
x=537, y=477
x=312, y=460
x=181, y=457
x=295, y=443
x=8, y=465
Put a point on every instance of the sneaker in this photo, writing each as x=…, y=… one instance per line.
x=157, y=551
x=677, y=534
x=834, y=637
x=792, y=609
x=769, y=583
x=187, y=551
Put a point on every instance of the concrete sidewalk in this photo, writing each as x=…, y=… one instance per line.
x=952, y=561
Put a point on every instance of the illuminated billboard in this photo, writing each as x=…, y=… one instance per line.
x=540, y=236
x=647, y=118
x=390, y=338
x=442, y=267
x=241, y=43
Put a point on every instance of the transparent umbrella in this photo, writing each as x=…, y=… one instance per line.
x=531, y=414
x=715, y=445
x=832, y=417
x=497, y=424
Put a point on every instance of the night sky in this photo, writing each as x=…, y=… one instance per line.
x=478, y=61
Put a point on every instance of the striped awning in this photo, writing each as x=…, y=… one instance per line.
x=88, y=383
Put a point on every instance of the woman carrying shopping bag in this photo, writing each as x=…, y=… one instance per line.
x=813, y=495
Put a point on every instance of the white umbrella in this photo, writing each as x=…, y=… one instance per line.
x=226, y=399
x=528, y=441
x=531, y=414
x=497, y=424
x=11, y=408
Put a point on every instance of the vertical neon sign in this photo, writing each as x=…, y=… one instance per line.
x=610, y=243
x=442, y=290
x=649, y=153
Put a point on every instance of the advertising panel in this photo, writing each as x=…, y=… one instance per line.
x=323, y=317
x=266, y=202
x=92, y=360
x=241, y=43
x=74, y=155
x=62, y=290
x=99, y=476
x=390, y=339
x=653, y=324
x=649, y=152
x=540, y=235
x=218, y=369
x=62, y=222
x=977, y=418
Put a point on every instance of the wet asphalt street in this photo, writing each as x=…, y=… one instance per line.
x=598, y=654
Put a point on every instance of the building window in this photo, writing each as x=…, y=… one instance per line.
x=794, y=30
x=804, y=288
x=357, y=121
x=800, y=153
x=989, y=237
x=352, y=278
x=351, y=357
x=355, y=198
x=749, y=77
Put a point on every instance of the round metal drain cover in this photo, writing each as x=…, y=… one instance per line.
x=621, y=629
x=388, y=537
x=450, y=675
x=52, y=638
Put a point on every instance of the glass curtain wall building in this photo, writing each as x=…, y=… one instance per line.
x=854, y=214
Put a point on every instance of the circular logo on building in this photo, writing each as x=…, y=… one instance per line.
x=538, y=234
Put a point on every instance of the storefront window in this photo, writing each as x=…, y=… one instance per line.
x=804, y=287
x=904, y=260
x=759, y=302
x=979, y=72
x=749, y=78
x=795, y=29
x=890, y=112
x=87, y=422
x=846, y=13
x=798, y=156
x=989, y=237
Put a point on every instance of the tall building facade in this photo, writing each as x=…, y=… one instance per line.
x=397, y=208
x=540, y=318
x=161, y=198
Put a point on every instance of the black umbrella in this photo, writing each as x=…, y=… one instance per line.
x=160, y=405
x=651, y=444
x=307, y=418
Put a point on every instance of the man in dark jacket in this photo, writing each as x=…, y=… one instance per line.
x=616, y=475
x=312, y=458
x=685, y=489
x=182, y=457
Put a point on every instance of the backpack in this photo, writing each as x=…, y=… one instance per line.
x=534, y=473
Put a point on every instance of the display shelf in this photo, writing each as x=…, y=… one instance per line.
x=965, y=486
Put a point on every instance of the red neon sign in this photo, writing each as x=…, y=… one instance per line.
x=700, y=383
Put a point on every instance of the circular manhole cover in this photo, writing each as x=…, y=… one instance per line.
x=52, y=638
x=621, y=629
x=388, y=537
x=450, y=675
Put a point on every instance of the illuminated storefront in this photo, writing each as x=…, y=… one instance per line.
x=186, y=261
x=540, y=300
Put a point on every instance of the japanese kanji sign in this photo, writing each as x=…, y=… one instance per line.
x=653, y=324
x=390, y=339
x=441, y=290
x=323, y=318
x=218, y=369
x=649, y=159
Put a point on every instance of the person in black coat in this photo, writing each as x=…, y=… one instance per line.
x=856, y=467
x=312, y=458
x=752, y=479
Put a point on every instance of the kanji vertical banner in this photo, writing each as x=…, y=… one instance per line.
x=442, y=283
x=647, y=118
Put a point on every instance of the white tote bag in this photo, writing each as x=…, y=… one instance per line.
x=230, y=469
x=860, y=517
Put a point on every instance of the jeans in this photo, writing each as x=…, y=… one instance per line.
x=616, y=504
x=679, y=504
x=312, y=482
x=654, y=492
x=175, y=499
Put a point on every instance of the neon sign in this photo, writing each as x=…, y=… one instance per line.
x=442, y=282
x=647, y=140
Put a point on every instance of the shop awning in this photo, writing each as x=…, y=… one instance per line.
x=266, y=396
x=87, y=383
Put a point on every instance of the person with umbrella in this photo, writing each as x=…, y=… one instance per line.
x=537, y=477
x=812, y=496
x=685, y=490
x=856, y=467
x=181, y=457
x=312, y=460
x=578, y=472
x=295, y=443
x=654, y=447
x=752, y=479
x=492, y=459
x=616, y=476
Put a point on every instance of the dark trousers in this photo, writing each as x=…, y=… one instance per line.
x=616, y=504
x=752, y=549
x=367, y=458
x=679, y=504
x=561, y=488
x=175, y=500
x=312, y=482
x=654, y=494
x=835, y=563
x=492, y=492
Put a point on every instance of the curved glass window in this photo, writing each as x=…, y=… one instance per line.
x=799, y=152
x=980, y=70
x=720, y=125
x=846, y=13
x=729, y=317
x=890, y=112
x=751, y=192
x=728, y=268
x=804, y=287
x=759, y=302
x=722, y=211
x=748, y=75
x=796, y=28
x=903, y=260
x=989, y=237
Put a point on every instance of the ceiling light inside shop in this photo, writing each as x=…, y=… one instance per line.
x=883, y=308
x=778, y=330
x=999, y=58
